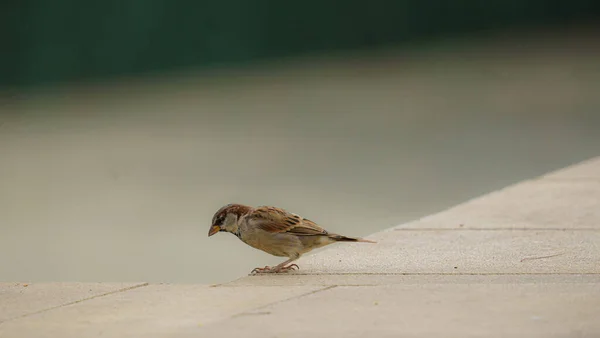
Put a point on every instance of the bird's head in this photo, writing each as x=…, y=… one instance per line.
x=226, y=218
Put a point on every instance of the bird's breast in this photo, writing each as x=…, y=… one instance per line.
x=282, y=245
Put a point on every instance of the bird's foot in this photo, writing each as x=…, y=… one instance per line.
x=288, y=268
x=267, y=269
x=261, y=270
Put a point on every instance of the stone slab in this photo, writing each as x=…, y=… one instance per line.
x=543, y=203
x=468, y=251
x=424, y=310
x=587, y=170
x=20, y=299
x=151, y=311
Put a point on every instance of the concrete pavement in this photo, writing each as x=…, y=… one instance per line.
x=520, y=262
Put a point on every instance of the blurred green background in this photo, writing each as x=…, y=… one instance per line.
x=67, y=40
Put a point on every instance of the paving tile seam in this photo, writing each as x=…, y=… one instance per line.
x=417, y=283
x=496, y=229
x=439, y=274
x=256, y=311
x=458, y=275
x=216, y=285
x=252, y=311
x=77, y=301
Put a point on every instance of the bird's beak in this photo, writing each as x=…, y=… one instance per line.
x=213, y=230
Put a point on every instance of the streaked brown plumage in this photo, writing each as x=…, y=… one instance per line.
x=275, y=231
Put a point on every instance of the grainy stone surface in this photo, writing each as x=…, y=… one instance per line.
x=20, y=299
x=463, y=251
x=537, y=204
x=150, y=311
x=587, y=170
x=426, y=310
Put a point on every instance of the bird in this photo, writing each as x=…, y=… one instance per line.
x=274, y=231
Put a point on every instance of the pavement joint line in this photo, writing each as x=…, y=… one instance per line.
x=233, y=283
x=444, y=274
x=77, y=301
x=253, y=311
x=388, y=284
x=532, y=258
x=496, y=229
x=216, y=285
x=336, y=283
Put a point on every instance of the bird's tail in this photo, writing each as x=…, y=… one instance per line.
x=341, y=238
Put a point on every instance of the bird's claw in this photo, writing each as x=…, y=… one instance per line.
x=261, y=270
x=290, y=267
x=267, y=269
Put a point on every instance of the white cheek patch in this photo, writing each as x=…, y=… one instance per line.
x=230, y=220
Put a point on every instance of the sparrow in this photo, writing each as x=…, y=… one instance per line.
x=274, y=231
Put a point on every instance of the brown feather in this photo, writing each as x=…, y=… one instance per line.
x=277, y=220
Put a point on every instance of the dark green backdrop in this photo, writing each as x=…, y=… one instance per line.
x=45, y=41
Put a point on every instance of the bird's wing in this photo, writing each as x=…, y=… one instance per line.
x=276, y=220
